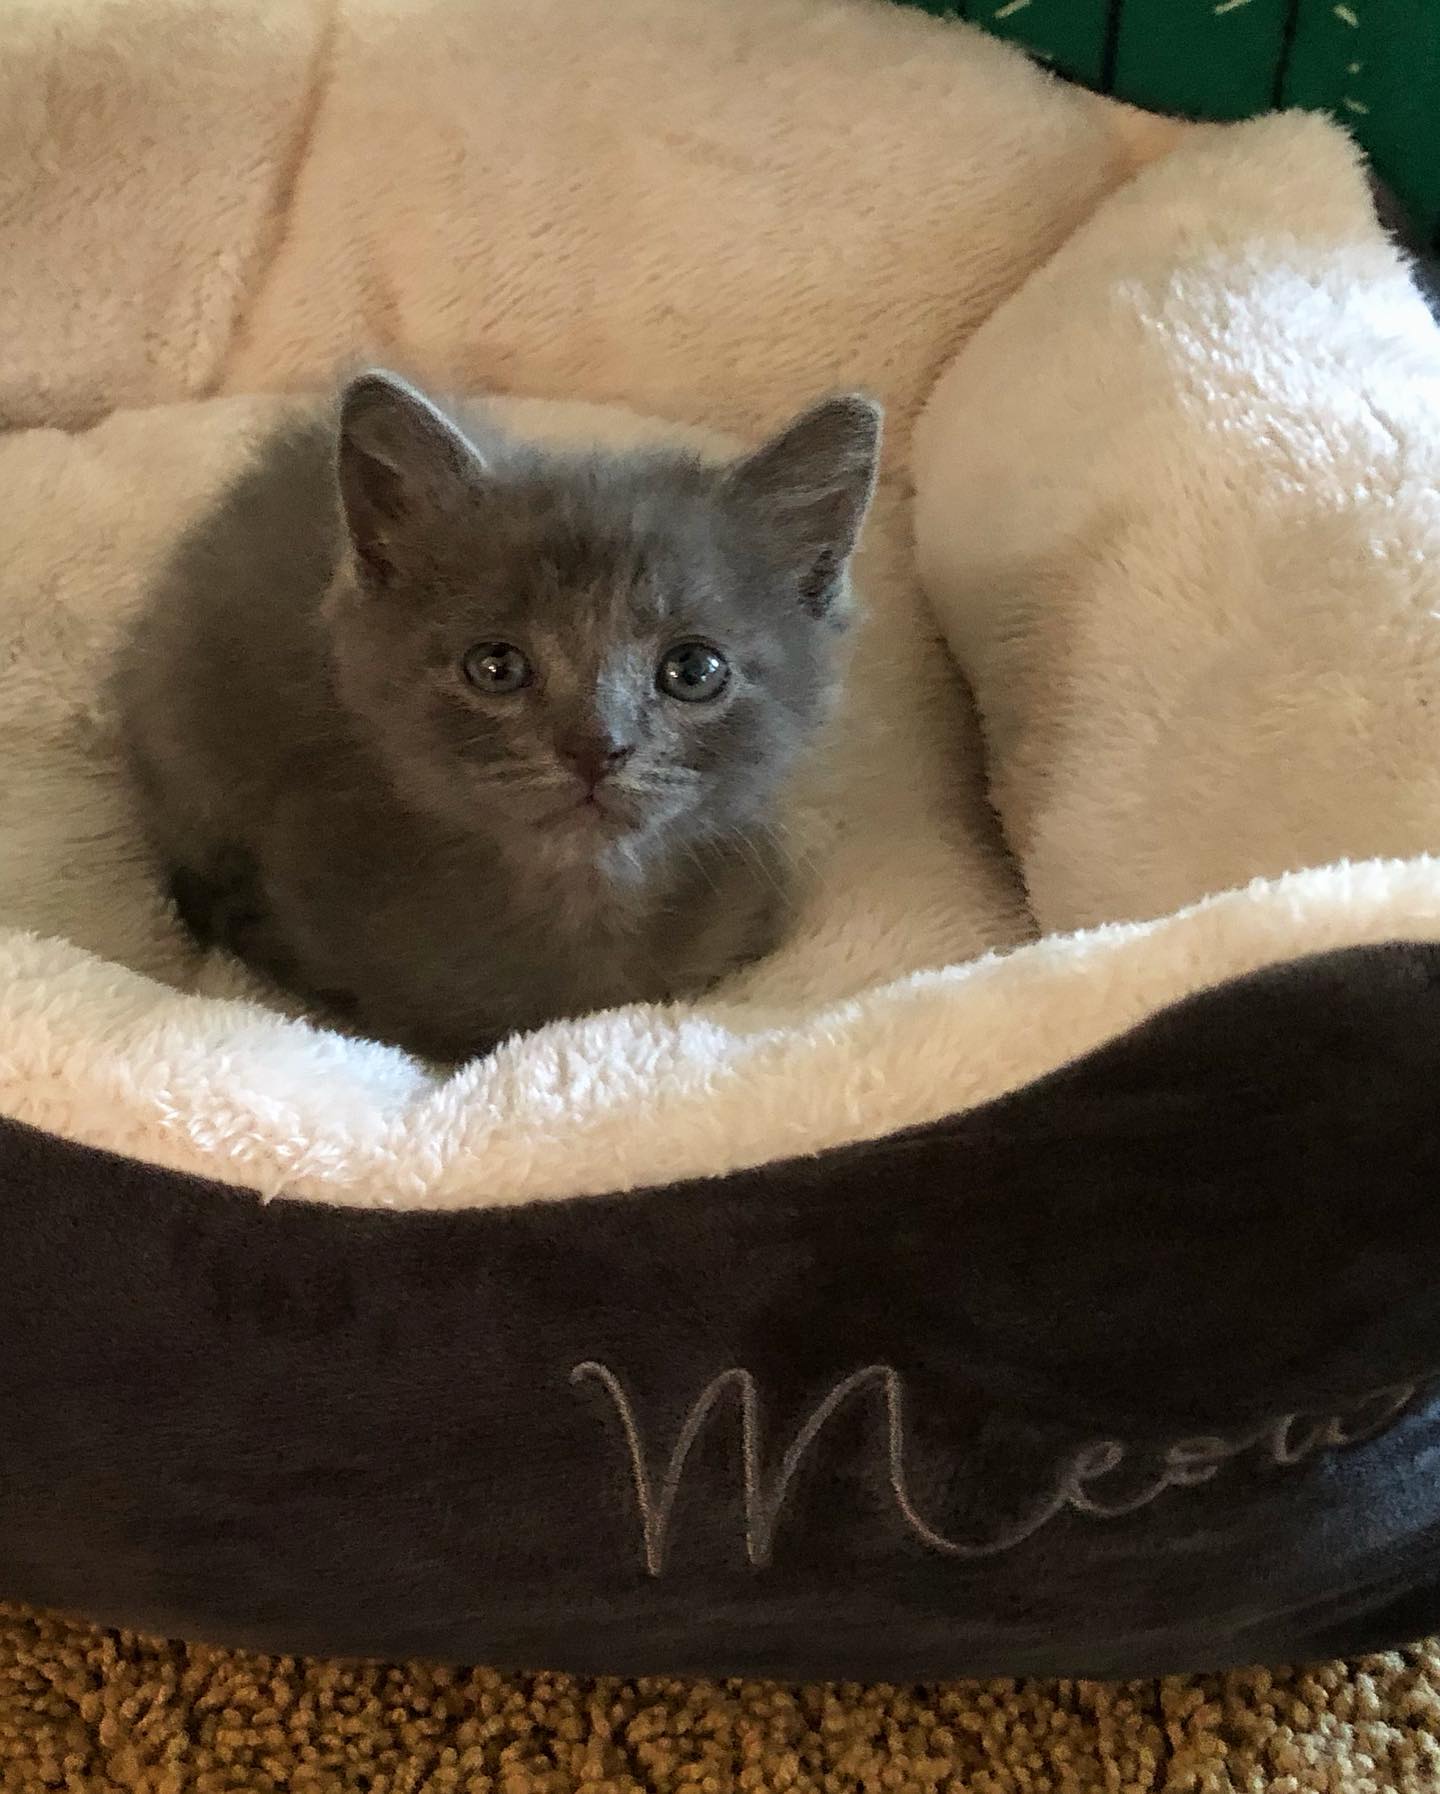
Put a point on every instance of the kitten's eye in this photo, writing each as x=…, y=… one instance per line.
x=693, y=672
x=497, y=668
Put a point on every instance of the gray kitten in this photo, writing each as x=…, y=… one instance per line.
x=453, y=735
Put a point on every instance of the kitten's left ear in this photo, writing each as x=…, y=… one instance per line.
x=810, y=488
x=402, y=465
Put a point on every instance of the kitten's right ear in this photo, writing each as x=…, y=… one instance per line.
x=401, y=465
x=809, y=489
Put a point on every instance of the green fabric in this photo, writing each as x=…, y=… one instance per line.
x=1069, y=34
x=1373, y=64
x=1199, y=57
x=1376, y=64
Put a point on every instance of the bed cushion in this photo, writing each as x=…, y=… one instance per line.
x=1191, y=568
x=935, y=1298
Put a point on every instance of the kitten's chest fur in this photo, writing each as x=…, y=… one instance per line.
x=446, y=944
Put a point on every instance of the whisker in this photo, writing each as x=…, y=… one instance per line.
x=697, y=860
x=743, y=841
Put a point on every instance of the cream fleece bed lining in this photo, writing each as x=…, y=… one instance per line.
x=912, y=989
x=1192, y=567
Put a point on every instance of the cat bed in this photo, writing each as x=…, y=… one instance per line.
x=951, y=1293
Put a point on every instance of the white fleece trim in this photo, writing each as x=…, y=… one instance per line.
x=231, y=1091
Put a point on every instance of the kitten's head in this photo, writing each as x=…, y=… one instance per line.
x=589, y=648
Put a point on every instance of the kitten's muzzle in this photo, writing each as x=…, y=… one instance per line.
x=593, y=758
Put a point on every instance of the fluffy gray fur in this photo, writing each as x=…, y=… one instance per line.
x=436, y=865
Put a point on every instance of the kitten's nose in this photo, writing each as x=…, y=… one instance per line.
x=594, y=757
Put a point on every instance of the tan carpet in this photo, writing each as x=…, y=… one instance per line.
x=90, y=1712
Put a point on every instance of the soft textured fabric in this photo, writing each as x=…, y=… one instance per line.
x=1192, y=562
x=109, y=1713
x=708, y=211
